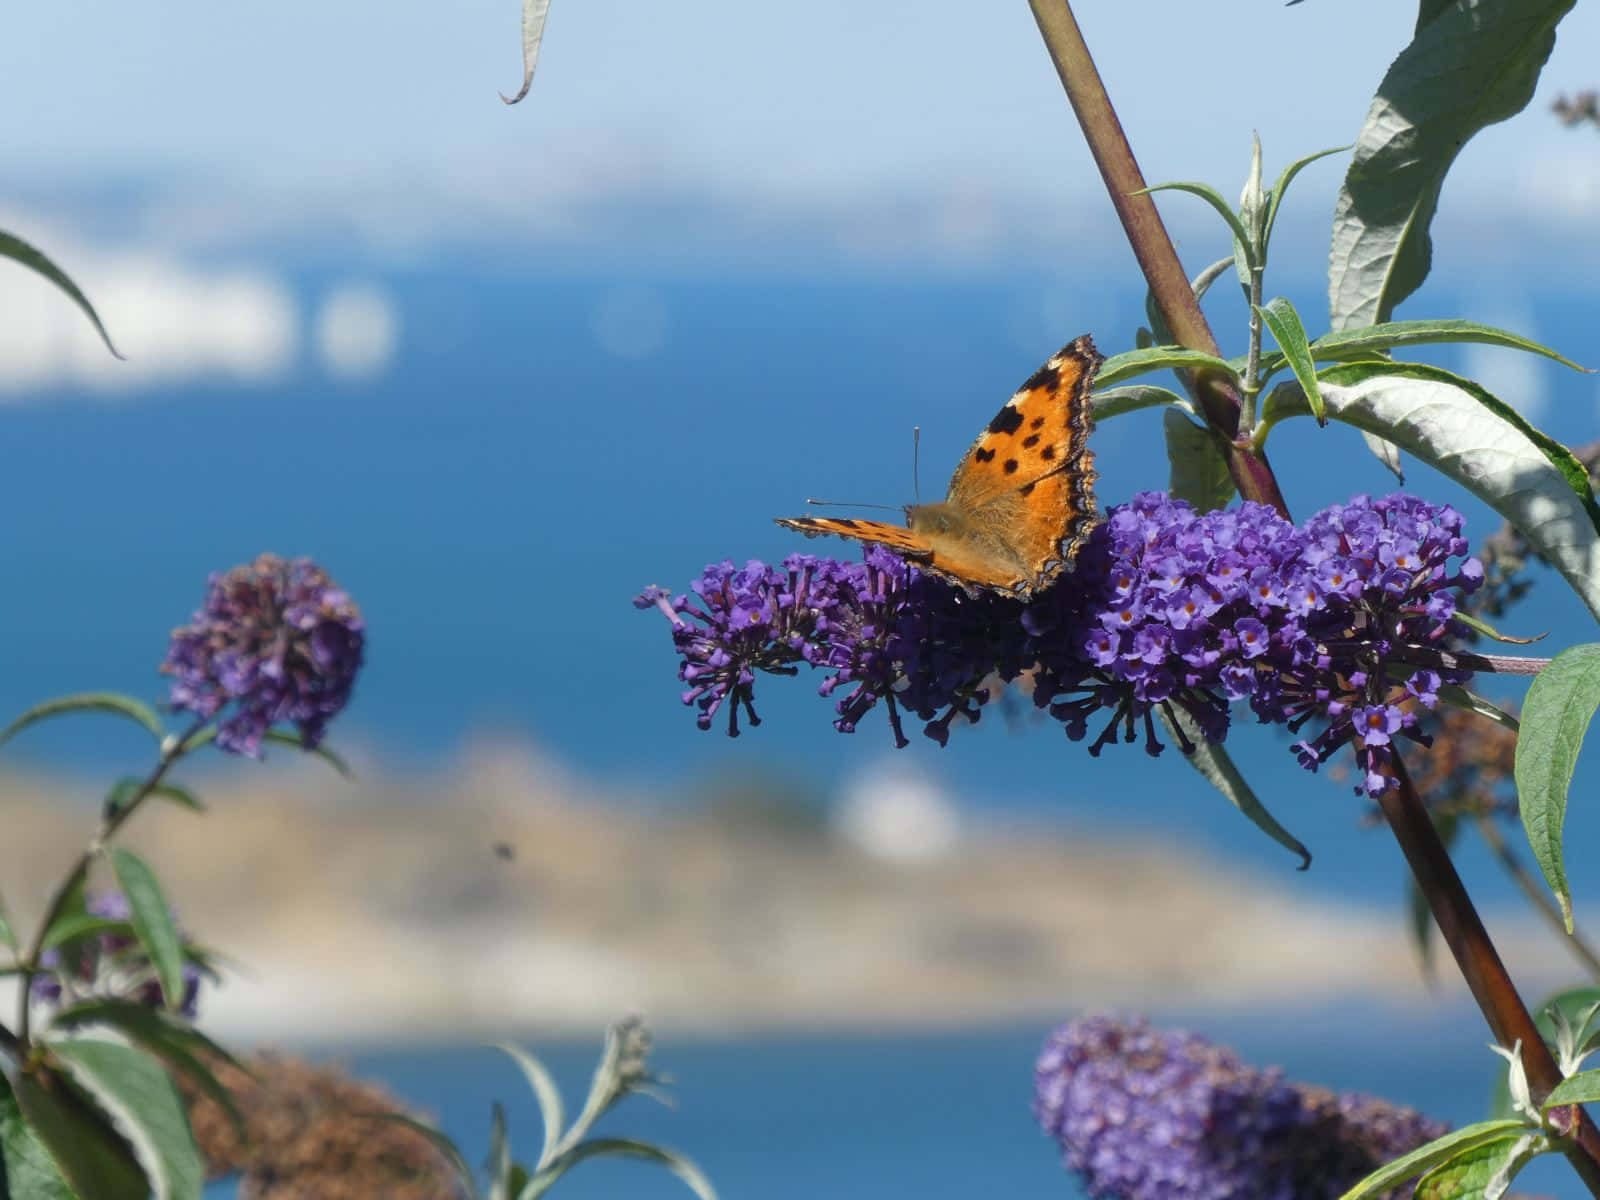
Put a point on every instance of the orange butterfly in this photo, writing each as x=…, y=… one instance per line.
x=1022, y=499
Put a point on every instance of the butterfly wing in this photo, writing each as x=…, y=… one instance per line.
x=1027, y=484
x=957, y=560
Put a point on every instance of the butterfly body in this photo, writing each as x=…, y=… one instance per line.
x=1022, y=498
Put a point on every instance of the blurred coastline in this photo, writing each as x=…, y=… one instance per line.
x=504, y=895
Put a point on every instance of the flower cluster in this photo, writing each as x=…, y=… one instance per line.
x=1148, y=1114
x=279, y=641
x=1167, y=612
x=108, y=963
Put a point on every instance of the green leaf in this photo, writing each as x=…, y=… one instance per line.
x=27, y=1172
x=1582, y=1088
x=499, y=1155
x=1199, y=472
x=1366, y=341
x=1132, y=363
x=80, y=1141
x=1458, y=697
x=1473, y=64
x=1560, y=704
x=15, y=248
x=1275, y=196
x=334, y=760
x=1481, y=1173
x=72, y=926
x=1113, y=402
x=1247, y=254
x=1290, y=334
x=614, y=1147
x=157, y=1032
x=152, y=922
x=1459, y=428
x=1211, y=759
x=1214, y=198
x=1425, y=1158
x=552, y=1112
x=139, y=1097
x=534, y=13
x=106, y=702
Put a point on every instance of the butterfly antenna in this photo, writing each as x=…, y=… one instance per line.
x=850, y=504
x=916, y=455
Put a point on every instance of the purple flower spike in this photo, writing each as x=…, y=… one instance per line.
x=1166, y=612
x=1149, y=1114
x=277, y=640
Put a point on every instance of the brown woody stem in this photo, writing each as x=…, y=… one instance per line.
x=1215, y=391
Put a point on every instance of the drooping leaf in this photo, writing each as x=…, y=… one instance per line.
x=152, y=922
x=1561, y=702
x=1457, y=427
x=80, y=1140
x=131, y=1088
x=1199, y=472
x=1132, y=363
x=1475, y=62
x=17, y=250
x=1290, y=334
x=106, y=702
x=1217, y=767
x=124, y=790
x=1215, y=199
x=1582, y=1088
x=325, y=752
x=1458, y=697
x=1425, y=1158
x=26, y=1168
x=534, y=13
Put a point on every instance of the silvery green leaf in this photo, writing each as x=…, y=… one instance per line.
x=534, y=13
x=1460, y=429
x=1290, y=334
x=1252, y=216
x=1275, y=196
x=17, y=250
x=1426, y=1157
x=552, y=1112
x=1473, y=64
x=1199, y=472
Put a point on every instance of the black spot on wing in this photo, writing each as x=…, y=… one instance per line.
x=983, y=455
x=1011, y=466
x=1047, y=377
x=1029, y=442
x=1036, y=423
x=1007, y=420
x=1047, y=453
x=1026, y=488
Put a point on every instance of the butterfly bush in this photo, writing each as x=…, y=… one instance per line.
x=278, y=641
x=1151, y=1114
x=1338, y=624
x=109, y=963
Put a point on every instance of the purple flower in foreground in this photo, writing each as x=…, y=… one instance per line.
x=277, y=640
x=109, y=963
x=1149, y=1114
x=1167, y=611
